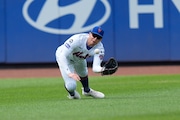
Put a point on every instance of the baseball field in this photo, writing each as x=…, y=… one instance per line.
x=128, y=97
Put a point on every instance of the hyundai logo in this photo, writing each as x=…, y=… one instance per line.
x=51, y=11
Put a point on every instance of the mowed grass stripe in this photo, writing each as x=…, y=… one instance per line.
x=127, y=97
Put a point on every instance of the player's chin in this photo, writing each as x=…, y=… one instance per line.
x=94, y=43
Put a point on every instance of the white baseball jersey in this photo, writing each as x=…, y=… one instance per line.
x=75, y=50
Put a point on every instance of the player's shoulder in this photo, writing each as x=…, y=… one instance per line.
x=100, y=45
x=80, y=36
x=77, y=39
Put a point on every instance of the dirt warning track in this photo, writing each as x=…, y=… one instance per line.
x=54, y=72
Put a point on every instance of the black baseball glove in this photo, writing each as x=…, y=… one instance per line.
x=110, y=67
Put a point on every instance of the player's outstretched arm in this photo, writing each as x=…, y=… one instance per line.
x=97, y=63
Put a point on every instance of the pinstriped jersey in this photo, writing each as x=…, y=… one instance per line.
x=76, y=47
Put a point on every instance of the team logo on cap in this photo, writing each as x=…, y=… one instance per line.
x=99, y=30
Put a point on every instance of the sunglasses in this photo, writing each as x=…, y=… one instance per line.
x=97, y=36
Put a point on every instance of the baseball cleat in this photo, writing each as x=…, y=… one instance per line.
x=76, y=95
x=93, y=93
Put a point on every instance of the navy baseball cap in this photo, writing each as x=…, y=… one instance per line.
x=98, y=31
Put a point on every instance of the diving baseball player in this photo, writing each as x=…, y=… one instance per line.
x=71, y=58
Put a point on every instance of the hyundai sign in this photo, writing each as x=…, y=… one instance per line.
x=135, y=30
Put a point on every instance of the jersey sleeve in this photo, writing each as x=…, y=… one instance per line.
x=65, y=54
x=97, y=60
x=69, y=46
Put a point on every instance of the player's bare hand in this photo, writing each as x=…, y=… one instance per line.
x=74, y=76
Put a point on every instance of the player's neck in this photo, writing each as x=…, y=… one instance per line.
x=88, y=47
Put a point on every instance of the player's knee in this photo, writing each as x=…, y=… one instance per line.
x=71, y=86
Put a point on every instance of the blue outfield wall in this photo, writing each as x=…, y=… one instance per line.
x=135, y=30
x=142, y=36
x=174, y=31
x=2, y=32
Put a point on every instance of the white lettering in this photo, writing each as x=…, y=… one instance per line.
x=135, y=10
x=177, y=4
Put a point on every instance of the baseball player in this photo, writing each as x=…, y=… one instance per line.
x=71, y=58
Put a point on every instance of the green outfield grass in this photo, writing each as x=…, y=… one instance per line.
x=153, y=97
